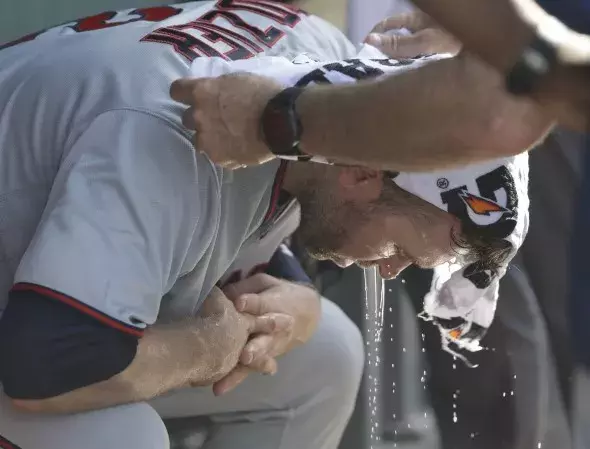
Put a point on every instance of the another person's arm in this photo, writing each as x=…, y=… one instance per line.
x=448, y=112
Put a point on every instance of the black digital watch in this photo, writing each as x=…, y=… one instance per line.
x=535, y=62
x=280, y=125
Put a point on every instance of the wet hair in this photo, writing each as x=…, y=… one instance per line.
x=486, y=251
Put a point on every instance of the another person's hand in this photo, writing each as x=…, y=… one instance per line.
x=261, y=295
x=426, y=37
x=227, y=331
x=225, y=114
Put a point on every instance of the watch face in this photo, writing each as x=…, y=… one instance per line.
x=278, y=131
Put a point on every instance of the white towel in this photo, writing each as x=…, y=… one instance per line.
x=492, y=196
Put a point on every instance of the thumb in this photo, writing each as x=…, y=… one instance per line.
x=192, y=90
x=215, y=302
x=253, y=284
x=398, y=46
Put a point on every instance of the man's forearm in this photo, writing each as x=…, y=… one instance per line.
x=450, y=112
x=168, y=357
x=491, y=29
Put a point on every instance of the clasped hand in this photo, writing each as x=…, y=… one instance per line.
x=262, y=295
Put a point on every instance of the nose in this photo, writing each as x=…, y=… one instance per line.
x=342, y=263
x=391, y=267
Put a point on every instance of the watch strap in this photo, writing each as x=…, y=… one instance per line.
x=281, y=127
x=536, y=61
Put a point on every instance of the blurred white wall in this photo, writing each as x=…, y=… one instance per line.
x=364, y=14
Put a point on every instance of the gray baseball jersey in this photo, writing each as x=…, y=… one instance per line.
x=104, y=204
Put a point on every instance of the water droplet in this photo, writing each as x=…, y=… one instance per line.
x=455, y=418
x=403, y=349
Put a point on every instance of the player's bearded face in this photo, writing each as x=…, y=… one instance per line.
x=326, y=224
x=389, y=233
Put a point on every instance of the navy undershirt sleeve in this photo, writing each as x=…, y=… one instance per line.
x=48, y=348
x=284, y=265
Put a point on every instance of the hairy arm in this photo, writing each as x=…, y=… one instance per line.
x=447, y=113
x=168, y=357
x=76, y=363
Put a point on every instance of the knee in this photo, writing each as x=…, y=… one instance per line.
x=343, y=356
x=144, y=425
x=123, y=427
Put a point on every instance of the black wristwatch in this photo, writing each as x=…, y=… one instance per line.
x=280, y=125
x=535, y=62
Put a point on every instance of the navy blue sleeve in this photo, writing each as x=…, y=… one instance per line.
x=284, y=265
x=48, y=348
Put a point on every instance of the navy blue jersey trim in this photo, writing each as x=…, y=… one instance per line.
x=277, y=186
x=78, y=305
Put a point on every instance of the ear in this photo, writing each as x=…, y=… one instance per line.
x=360, y=183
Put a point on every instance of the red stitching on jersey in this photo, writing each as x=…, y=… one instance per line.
x=276, y=190
x=5, y=444
x=85, y=308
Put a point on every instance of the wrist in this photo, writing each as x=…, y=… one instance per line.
x=328, y=115
x=280, y=126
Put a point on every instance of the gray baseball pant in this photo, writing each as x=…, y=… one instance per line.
x=306, y=405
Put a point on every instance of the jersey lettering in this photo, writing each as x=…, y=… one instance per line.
x=204, y=36
x=190, y=46
x=355, y=69
x=27, y=38
x=101, y=21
